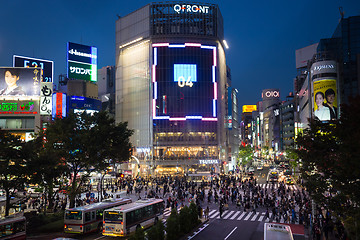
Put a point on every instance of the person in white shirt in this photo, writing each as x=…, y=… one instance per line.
x=322, y=113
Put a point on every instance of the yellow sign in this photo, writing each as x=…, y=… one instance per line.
x=249, y=108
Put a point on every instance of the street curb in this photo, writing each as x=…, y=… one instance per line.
x=193, y=233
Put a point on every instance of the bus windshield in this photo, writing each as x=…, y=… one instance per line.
x=73, y=215
x=113, y=216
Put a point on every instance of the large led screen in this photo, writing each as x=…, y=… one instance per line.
x=81, y=62
x=46, y=66
x=16, y=81
x=184, y=82
x=325, y=100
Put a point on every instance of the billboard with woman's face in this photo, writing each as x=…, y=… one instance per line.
x=16, y=81
x=325, y=99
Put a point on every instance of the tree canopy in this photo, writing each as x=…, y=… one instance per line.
x=330, y=156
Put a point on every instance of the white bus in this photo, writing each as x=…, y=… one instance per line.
x=13, y=227
x=277, y=231
x=124, y=220
x=89, y=218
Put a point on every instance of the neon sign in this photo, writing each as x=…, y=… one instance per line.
x=17, y=108
x=186, y=76
x=190, y=8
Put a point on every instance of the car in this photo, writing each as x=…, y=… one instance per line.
x=251, y=171
x=289, y=181
x=260, y=167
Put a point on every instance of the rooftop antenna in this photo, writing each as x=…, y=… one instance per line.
x=342, y=13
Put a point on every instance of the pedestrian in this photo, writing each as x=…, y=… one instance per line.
x=207, y=212
x=221, y=210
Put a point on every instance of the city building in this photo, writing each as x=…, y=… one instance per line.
x=171, y=79
x=287, y=119
x=106, y=89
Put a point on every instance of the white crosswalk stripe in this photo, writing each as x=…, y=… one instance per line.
x=227, y=216
x=261, y=217
x=214, y=215
x=248, y=216
x=211, y=212
x=222, y=214
x=241, y=216
x=255, y=216
x=234, y=216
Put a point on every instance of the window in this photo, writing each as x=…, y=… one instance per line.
x=87, y=217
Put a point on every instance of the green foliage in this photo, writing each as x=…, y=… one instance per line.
x=139, y=234
x=184, y=216
x=81, y=142
x=194, y=216
x=45, y=223
x=12, y=165
x=156, y=232
x=245, y=154
x=330, y=156
x=172, y=226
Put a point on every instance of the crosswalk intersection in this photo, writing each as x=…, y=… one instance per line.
x=237, y=215
x=276, y=186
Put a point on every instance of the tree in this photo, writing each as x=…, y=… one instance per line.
x=330, y=164
x=245, y=154
x=156, y=232
x=184, y=216
x=45, y=168
x=13, y=174
x=172, y=225
x=87, y=143
x=194, y=216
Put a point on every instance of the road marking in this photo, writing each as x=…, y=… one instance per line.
x=234, y=216
x=211, y=212
x=196, y=233
x=248, y=216
x=255, y=216
x=214, y=215
x=241, y=216
x=227, y=216
x=230, y=233
x=261, y=217
x=99, y=237
x=222, y=214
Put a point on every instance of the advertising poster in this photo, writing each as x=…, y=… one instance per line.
x=325, y=100
x=16, y=81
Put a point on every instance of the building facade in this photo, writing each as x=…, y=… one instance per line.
x=171, y=86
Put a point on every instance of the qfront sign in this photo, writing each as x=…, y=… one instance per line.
x=186, y=8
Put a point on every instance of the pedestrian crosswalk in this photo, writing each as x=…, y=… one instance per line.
x=244, y=216
x=276, y=186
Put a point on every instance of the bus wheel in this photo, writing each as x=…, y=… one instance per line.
x=156, y=220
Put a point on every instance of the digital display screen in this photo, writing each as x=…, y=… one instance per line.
x=82, y=62
x=46, y=66
x=184, y=82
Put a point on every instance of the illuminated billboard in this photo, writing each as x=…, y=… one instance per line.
x=18, y=107
x=81, y=62
x=59, y=105
x=325, y=100
x=16, y=81
x=249, y=108
x=184, y=82
x=46, y=66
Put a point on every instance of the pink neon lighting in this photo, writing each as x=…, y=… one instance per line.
x=209, y=119
x=193, y=44
x=153, y=73
x=214, y=56
x=160, y=45
x=177, y=119
x=215, y=90
x=154, y=108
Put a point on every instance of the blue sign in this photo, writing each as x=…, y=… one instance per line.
x=185, y=72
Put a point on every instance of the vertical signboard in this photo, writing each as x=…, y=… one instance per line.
x=325, y=94
x=59, y=105
x=81, y=62
x=46, y=99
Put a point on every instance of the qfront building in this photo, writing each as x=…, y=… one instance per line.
x=171, y=87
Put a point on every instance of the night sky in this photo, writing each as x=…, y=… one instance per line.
x=262, y=35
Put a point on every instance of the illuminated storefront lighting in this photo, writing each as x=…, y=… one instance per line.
x=153, y=73
x=154, y=108
x=155, y=56
x=208, y=47
x=213, y=74
x=193, y=117
x=177, y=119
x=131, y=42
x=160, y=44
x=215, y=90
x=155, y=90
x=163, y=118
x=209, y=119
x=176, y=45
x=214, y=108
x=193, y=44
x=214, y=56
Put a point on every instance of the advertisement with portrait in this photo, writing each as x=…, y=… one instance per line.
x=18, y=81
x=325, y=104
